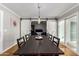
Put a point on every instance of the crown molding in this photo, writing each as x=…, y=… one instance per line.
x=61, y=14
x=37, y=18
x=9, y=10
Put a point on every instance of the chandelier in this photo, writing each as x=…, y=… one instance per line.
x=39, y=14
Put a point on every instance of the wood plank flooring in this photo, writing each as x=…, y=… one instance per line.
x=66, y=50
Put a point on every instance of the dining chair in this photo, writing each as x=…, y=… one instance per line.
x=33, y=33
x=56, y=41
x=20, y=42
x=27, y=36
x=49, y=36
x=43, y=33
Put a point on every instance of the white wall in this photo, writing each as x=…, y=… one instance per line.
x=1, y=29
x=10, y=32
x=25, y=27
x=61, y=24
x=52, y=27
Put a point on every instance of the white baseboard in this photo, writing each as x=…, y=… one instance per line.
x=8, y=48
x=72, y=49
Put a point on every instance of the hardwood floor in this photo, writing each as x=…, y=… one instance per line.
x=66, y=50
x=10, y=51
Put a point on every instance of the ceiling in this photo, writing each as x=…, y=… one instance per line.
x=47, y=10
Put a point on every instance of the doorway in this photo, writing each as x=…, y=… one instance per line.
x=40, y=27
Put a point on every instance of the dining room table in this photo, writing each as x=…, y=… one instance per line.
x=39, y=46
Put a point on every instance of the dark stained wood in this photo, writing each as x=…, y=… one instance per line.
x=35, y=47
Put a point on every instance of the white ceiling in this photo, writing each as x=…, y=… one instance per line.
x=50, y=10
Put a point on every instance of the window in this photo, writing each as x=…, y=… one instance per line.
x=71, y=31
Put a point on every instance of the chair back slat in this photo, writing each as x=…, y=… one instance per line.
x=56, y=41
x=49, y=36
x=20, y=42
x=27, y=36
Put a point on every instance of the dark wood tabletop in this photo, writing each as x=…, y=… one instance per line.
x=43, y=47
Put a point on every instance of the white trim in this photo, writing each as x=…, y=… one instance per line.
x=1, y=31
x=8, y=48
x=9, y=10
x=37, y=20
x=70, y=16
x=69, y=9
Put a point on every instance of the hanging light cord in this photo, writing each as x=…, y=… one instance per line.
x=38, y=14
x=38, y=10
